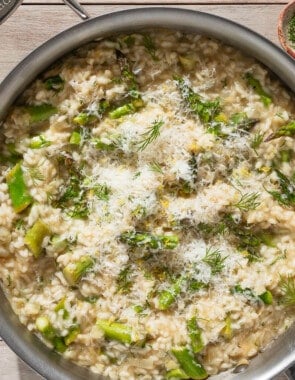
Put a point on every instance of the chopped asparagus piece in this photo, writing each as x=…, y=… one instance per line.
x=126, y=109
x=73, y=272
x=145, y=239
x=39, y=142
x=195, y=335
x=266, y=297
x=168, y=297
x=72, y=335
x=227, y=332
x=39, y=113
x=287, y=130
x=18, y=191
x=55, y=83
x=45, y=327
x=84, y=118
x=188, y=63
x=206, y=110
x=116, y=331
x=176, y=374
x=189, y=364
x=35, y=236
x=59, y=245
x=59, y=344
x=61, y=306
x=257, y=87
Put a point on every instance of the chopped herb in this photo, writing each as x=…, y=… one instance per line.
x=129, y=41
x=287, y=287
x=195, y=335
x=257, y=87
x=145, y=239
x=150, y=46
x=75, y=138
x=256, y=141
x=286, y=196
x=102, y=192
x=91, y=299
x=291, y=30
x=124, y=280
x=55, y=83
x=156, y=167
x=151, y=134
x=247, y=292
x=40, y=113
x=248, y=201
x=214, y=259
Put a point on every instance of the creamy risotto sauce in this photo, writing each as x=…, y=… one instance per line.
x=147, y=207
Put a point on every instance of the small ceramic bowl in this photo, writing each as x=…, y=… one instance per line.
x=285, y=16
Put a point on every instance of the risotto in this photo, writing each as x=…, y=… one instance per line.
x=147, y=215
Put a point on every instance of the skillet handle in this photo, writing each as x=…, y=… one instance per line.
x=77, y=8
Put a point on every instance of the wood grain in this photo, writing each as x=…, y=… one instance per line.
x=19, y=39
x=164, y=1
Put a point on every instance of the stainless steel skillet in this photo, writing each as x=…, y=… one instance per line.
x=282, y=353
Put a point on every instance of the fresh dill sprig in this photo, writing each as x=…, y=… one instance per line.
x=124, y=281
x=151, y=134
x=248, y=201
x=257, y=141
x=287, y=287
x=102, y=192
x=36, y=175
x=150, y=46
x=214, y=259
x=286, y=196
x=156, y=167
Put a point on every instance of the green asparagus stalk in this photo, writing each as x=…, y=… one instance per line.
x=84, y=118
x=116, y=331
x=176, y=374
x=287, y=130
x=39, y=142
x=145, y=239
x=39, y=113
x=35, y=236
x=75, y=138
x=189, y=364
x=126, y=109
x=195, y=335
x=168, y=297
x=227, y=332
x=18, y=191
x=257, y=87
x=73, y=272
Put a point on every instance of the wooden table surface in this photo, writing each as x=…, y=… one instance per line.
x=36, y=21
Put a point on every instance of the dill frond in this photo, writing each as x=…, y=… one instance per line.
x=156, y=167
x=248, y=201
x=151, y=134
x=36, y=175
x=286, y=196
x=214, y=259
x=257, y=141
x=287, y=287
x=124, y=281
x=150, y=46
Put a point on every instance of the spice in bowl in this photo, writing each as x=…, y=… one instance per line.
x=286, y=28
